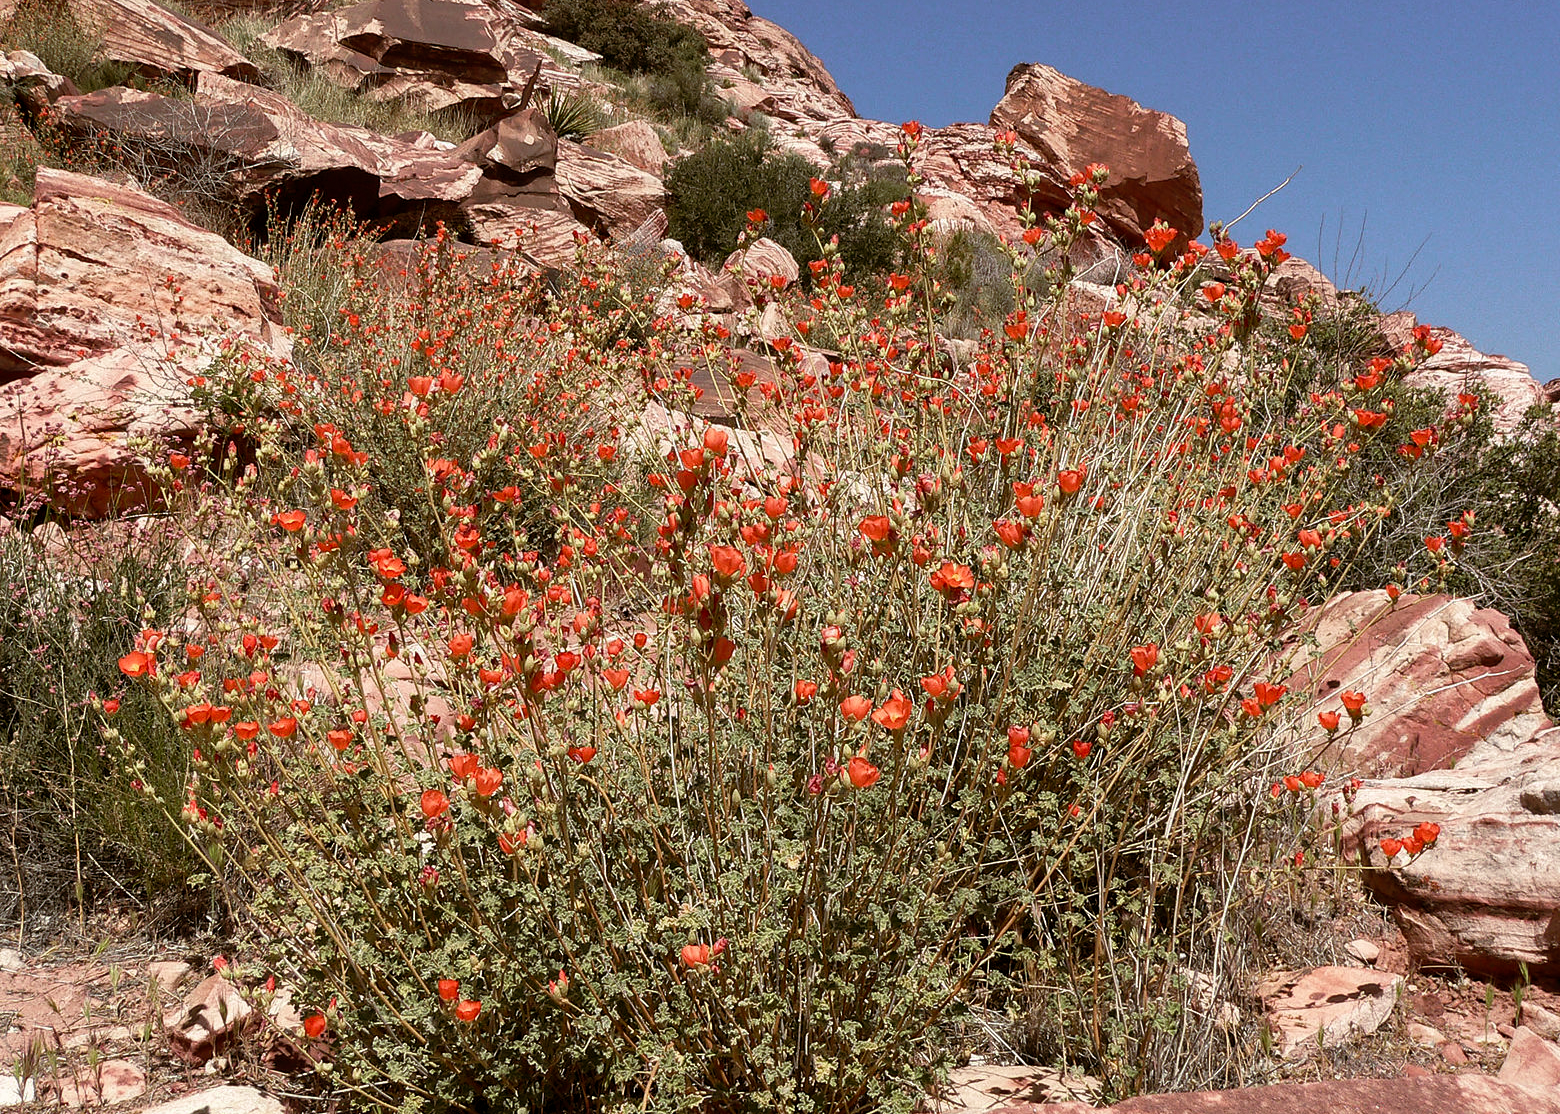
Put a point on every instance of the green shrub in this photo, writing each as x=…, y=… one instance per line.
x=739, y=792
x=710, y=192
x=637, y=39
x=71, y=606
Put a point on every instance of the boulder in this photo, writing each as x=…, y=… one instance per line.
x=1454, y=735
x=1459, y=365
x=635, y=142
x=213, y=1015
x=1485, y=896
x=32, y=84
x=1465, y=1094
x=1073, y=125
x=1442, y=675
x=249, y=143
x=1532, y=1060
x=961, y=161
x=608, y=194
x=157, y=40
x=439, y=54
x=761, y=262
x=1327, y=1006
x=109, y=300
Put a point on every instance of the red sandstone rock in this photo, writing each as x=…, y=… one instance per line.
x=1442, y=676
x=250, y=140
x=158, y=40
x=635, y=142
x=798, y=84
x=104, y=1084
x=1072, y=124
x=95, y=343
x=213, y=1014
x=609, y=194
x=1532, y=1060
x=1327, y=1005
x=1486, y=895
x=1459, y=364
x=762, y=261
x=1455, y=735
x=439, y=54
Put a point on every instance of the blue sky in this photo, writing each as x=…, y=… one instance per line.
x=1430, y=127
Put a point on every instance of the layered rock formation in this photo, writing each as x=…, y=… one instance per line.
x=109, y=300
x=441, y=55
x=1072, y=125
x=1454, y=736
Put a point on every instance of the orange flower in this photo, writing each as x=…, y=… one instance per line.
x=695, y=955
x=1213, y=291
x=449, y=989
x=314, y=1026
x=434, y=804
x=876, y=528
x=1390, y=847
x=951, y=578
x=340, y=738
x=617, y=678
x=137, y=664
x=1269, y=694
x=862, y=774
x=291, y=521
x=727, y=562
x=582, y=755
x=468, y=1010
x=805, y=691
x=460, y=645
x=1311, y=779
x=463, y=766
x=1159, y=237
x=647, y=697
x=1019, y=751
x=1427, y=833
x=1081, y=748
x=1070, y=480
x=855, y=708
x=1328, y=720
x=246, y=730
x=284, y=728
x=1012, y=533
x=894, y=713
x=1144, y=658
x=1353, y=703
x=488, y=781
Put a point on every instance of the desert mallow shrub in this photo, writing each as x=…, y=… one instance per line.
x=781, y=748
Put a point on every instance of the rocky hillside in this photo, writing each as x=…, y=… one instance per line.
x=138, y=182
x=200, y=122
